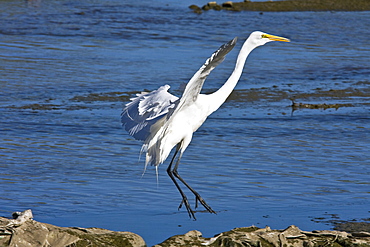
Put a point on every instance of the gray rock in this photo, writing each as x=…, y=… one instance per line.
x=24, y=231
x=256, y=237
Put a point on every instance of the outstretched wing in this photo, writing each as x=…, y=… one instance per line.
x=145, y=110
x=152, y=145
x=195, y=84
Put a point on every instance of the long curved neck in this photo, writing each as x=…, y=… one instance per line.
x=220, y=96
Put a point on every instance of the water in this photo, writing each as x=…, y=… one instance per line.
x=68, y=68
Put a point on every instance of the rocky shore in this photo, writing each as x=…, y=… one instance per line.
x=287, y=5
x=22, y=231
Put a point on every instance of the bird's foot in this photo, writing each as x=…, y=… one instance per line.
x=198, y=198
x=188, y=208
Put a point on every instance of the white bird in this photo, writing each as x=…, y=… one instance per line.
x=164, y=121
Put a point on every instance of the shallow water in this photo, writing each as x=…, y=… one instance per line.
x=68, y=68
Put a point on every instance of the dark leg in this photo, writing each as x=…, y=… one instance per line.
x=198, y=198
x=184, y=198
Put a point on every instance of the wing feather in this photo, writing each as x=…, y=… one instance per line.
x=194, y=86
x=145, y=110
x=143, y=117
x=152, y=145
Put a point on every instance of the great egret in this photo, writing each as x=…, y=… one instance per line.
x=164, y=121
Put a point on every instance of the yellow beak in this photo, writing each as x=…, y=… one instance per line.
x=275, y=38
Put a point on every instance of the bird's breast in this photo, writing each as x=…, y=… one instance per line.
x=191, y=118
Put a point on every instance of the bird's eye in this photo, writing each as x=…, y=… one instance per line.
x=263, y=36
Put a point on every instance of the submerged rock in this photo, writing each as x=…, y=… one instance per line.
x=212, y=5
x=323, y=106
x=24, y=231
x=195, y=9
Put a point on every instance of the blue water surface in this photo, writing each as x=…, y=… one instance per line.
x=69, y=67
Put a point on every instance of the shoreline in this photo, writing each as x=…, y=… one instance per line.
x=286, y=6
x=22, y=230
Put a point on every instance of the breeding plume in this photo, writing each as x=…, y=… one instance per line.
x=164, y=121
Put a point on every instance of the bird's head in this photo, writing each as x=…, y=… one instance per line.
x=260, y=38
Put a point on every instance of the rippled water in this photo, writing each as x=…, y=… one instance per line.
x=68, y=67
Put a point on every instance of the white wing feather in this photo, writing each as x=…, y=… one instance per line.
x=145, y=110
x=194, y=86
x=153, y=142
x=143, y=118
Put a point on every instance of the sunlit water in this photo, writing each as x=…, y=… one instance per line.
x=68, y=67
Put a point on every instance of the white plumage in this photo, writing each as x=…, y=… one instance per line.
x=144, y=110
x=164, y=121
